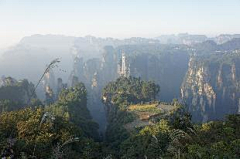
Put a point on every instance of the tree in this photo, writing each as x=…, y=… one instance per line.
x=36, y=136
x=72, y=105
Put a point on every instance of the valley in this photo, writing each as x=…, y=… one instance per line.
x=145, y=94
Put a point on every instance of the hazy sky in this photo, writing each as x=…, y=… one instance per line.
x=116, y=18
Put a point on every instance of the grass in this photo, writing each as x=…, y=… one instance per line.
x=151, y=108
x=145, y=111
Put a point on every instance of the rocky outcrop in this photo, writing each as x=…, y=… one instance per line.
x=60, y=86
x=167, y=67
x=7, y=81
x=211, y=86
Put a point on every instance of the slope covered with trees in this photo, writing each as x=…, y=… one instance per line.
x=139, y=127
x=62, y=130
x=135, y=132
x=72, y=105
x=35, y=134
x=16, y=94
x=118, y=96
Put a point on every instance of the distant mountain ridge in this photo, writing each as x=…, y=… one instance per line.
x=190, y=39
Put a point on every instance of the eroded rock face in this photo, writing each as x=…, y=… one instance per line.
x=208, y=81
x=165, y=67
x=211, y=86
x=95, y=73
x=7, y=81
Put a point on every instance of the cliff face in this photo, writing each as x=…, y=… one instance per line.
x=208, y=81
x=95, y=73
x=211, y=86
x=165, y=66
x=166, y=69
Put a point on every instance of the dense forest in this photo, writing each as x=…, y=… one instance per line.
x=139, y=126
x=64, y=128
x=162, y=130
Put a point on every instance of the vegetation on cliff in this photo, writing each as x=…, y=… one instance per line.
x=15, y=95
x=160, y=130
x=130, y=90
x=62, y=130
x=139, y=127
x=31, y=133
x=72, y=105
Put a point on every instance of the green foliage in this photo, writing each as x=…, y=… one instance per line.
x=32, y=137
x=165, y=140
x=65, y=129
x=130, y=90
x=72, y=105
x=14, y=94
x=216, y=139
x=151, y=108
x=118, y=96
x=125, y=91
x=150, y=142
x=8, y=105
